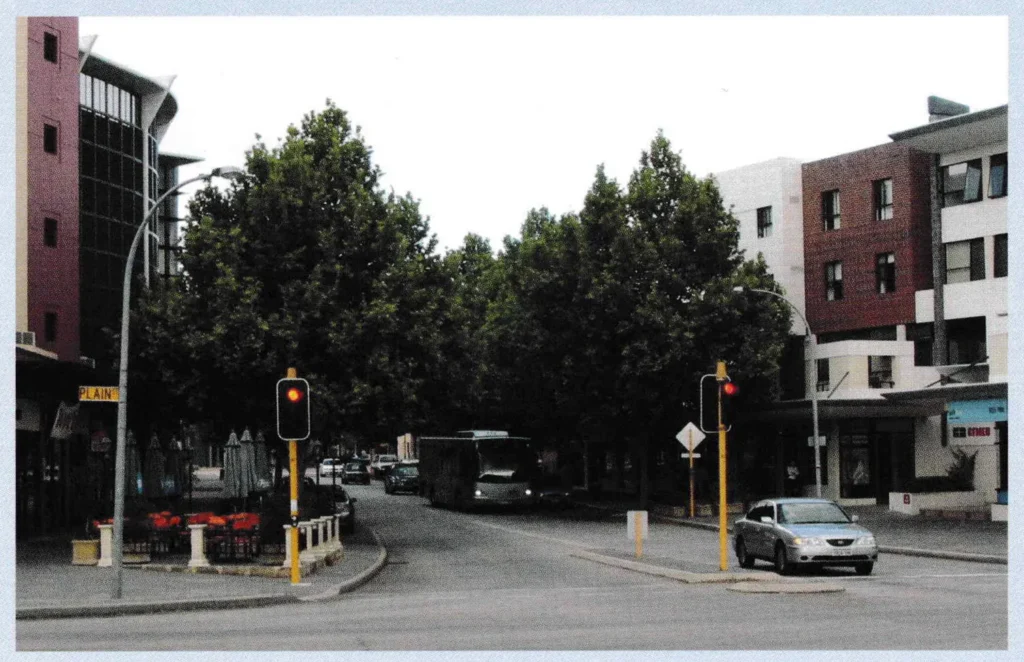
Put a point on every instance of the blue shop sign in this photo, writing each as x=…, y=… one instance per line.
x=976, y=411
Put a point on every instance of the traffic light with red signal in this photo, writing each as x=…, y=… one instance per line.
x=715, y=388
x=293, y=409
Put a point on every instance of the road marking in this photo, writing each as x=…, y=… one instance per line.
x=508, y=529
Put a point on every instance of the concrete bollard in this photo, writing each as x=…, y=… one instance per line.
x=198, y=539
x=106, y=545
x=325, y=546
x=287, y=546
x=337, y=532
x=306, y=531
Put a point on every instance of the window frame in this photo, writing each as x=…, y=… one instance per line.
x=883, y=199
x=764, y=222
x=877, y=371
x=824, y=378
x=885, y=272
x=50, y=326
x=834, y=280
x=952, y=197
x=1003, y=178
x=48, y=131
x=975, y=266
x=51, y=46
x=1000, y=256
x=50, y=232
x=831, y=210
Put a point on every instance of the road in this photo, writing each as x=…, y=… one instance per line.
x=506, y=581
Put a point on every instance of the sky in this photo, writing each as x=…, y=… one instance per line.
x=484, y=118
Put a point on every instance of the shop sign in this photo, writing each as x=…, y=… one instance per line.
x=976, y=411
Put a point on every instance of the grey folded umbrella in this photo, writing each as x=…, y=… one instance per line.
x=153, y=470
x=233, y=468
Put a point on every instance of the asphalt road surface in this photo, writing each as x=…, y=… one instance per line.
x=506, y=581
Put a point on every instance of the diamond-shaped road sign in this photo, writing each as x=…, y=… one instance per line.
x=690, y=436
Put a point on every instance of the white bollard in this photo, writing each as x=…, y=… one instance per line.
x=306, y=530
x=324, y=546
x=106, y=545
x=287, y=546
x=198, y=539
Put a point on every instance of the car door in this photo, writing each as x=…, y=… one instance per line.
x=755, y=531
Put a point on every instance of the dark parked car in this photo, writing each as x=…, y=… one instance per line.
x=355, y=472
x=798, y=532
x=402, y=478
x=339, y=502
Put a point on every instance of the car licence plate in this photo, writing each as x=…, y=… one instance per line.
x=844, y=552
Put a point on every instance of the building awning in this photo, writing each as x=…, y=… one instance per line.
x=797, y=410
x=939, y=396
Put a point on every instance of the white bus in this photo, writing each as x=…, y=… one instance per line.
x=477, y=468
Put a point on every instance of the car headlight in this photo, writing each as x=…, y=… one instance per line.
x=478, y=493
x=808, y=541
x=865, y=540
x=529, y=492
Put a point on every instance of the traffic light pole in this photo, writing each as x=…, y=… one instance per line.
x=723, y=524
x=293, y=479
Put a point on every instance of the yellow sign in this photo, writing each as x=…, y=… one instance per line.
x=98, y=393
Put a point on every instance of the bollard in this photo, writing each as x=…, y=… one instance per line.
x=306, y=530
x=336, y=531
x=198, y=538
x=106, y=545
x=325, y=546
x=287, y=546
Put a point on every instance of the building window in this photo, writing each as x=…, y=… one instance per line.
x=999, y=248
x=830, y=209
x=966, y=338
x=823, y=377
x=997, y=170
x=834, y=281
x=883, y=199
x=880, y=372
x=885, y=272
x=50, y=46
x=50, y=232
x=764, y=222
x=961, y=183
x=923, y=337
x=965, y=261
x=50, y=138
x=50, y=327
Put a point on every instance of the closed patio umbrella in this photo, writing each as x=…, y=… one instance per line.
x=131, y=467
x=263, y=479
x=174, y=477
x=248, y=456
x=233, y=468
x=153, y=470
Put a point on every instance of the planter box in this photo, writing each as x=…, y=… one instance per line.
x=911, y=503
x=85, y=552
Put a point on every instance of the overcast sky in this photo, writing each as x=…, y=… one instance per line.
x=484, y=118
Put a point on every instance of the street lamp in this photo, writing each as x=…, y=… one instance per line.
x=814, y=390
x=230, y=172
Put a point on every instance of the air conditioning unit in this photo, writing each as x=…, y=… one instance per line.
x=25, y=338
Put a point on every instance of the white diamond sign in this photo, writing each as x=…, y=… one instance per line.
x=690, y=436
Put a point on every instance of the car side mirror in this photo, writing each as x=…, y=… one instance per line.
x=854, y=518
x=767, y=520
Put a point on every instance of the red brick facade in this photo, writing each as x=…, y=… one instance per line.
x=860, y=237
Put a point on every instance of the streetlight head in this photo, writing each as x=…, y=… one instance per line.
x=739, y=288
x=228, y=172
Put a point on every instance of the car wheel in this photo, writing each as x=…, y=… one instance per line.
x=745, y=560
x=387, y=490
x=782, y=564
x=864, y=568
x=433, y=498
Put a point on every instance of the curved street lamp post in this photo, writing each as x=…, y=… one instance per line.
x=117, y=547
x=811, y=342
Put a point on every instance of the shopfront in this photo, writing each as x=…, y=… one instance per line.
x=876, y=456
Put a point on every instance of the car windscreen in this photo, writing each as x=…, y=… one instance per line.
x=354, y=466
x=502, y=461
x=406, y=471
x=812, y=513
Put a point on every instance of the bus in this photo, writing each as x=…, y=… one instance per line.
x=477, y=468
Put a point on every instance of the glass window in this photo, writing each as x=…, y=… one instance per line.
x=999, y=248
x=823, y=376
x=50, y=48
x=966, y=340
x=50, y=138
x=50, y=327
x=50, y=232
x=965, y=261
x=885, y=272
x=880, y=372
x=99, y=96
x=830, y=209
x=961, y=183
x=997, y=171
x=834, y=281
x=883, y=199
x=922, y=336
x=764, y=222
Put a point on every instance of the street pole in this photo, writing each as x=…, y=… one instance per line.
x=117, y=546
x=812, y=355
x=723, y=524
x=293, y=479
x=690, y=433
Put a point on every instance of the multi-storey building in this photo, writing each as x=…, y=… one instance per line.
x=87, y=171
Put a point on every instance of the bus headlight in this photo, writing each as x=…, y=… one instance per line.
x=478, y=493
x=529, y=492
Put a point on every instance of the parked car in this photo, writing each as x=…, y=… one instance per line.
x=330, y=466
x=380, y=464
x=355, y=472
x=402, y=477
x=334, y=497
x=802, y=532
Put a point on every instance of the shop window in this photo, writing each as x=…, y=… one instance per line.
x=834, y=281
x=961, y=183
x=883, y=199
x=764, y=222
x=997, y=175
x=999, y=248
x=50, y=46
x=50, y=232
x=880, y=372
x=965, y=261
x=830, y=210
x=50, y=138
x=885, y=272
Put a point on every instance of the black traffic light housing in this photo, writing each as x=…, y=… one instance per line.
x=293, y=409
x=711, y=388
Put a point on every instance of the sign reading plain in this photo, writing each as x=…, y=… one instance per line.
x=98, y=393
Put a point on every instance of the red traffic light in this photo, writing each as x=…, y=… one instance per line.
x=730, y=388
x=294, y=394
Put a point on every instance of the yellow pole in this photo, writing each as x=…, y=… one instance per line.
x=723, y=559
x=691, y=471
x=638, y=531
x=293, y=479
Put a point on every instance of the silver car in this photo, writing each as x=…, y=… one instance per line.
x=803, y=532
